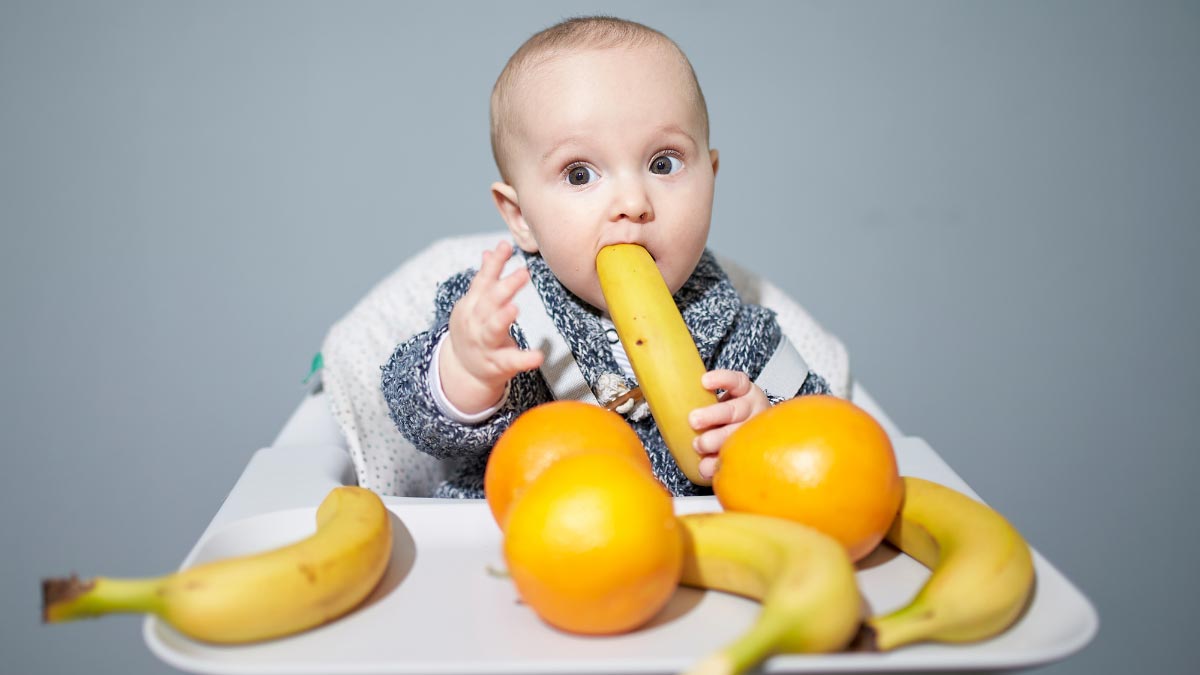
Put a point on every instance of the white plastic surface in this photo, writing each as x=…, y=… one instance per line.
x=440, y=610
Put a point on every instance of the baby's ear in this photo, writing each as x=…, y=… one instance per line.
x=509, y=207
x=716, y=160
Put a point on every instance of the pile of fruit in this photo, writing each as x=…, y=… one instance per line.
x=807, y=489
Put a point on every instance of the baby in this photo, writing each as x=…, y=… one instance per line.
x=600, y=134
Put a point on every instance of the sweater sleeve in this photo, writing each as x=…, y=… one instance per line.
x=405, y=386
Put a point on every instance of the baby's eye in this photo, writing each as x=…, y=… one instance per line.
x=580, y=174
x=665, y=164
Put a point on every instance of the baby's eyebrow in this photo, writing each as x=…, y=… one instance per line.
x=569, y=140
x=673, y=128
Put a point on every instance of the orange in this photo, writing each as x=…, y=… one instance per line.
x=593, y=545
x=819, y=460
x=546, y=433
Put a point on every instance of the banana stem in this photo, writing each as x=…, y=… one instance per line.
x=69, y=599
x=714, y=664
x=747, y=651
x=901, y=627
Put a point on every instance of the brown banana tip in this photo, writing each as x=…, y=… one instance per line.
x=61, y=589
x=865, y=640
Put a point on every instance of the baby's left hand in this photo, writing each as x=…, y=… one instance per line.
x=742, y=400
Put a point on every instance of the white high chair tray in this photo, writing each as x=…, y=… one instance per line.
x=441, y=608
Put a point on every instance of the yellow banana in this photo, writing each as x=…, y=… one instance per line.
x=804, y=579
x=253, y=597
x=659, y=345
x=982, y=570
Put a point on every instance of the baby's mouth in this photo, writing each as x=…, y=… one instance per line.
x=633, y=243
x=647, y=249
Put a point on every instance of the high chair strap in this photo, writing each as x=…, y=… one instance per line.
x=562, y=374
x=785, y=371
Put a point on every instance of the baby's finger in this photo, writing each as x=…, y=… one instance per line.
x=719, y=414
x=493, y=262
x=708, y=465
x=506, y=289
x=711, y=441
x=734, y=382
x=487, y=277
x=710, y=415
x=516, y=360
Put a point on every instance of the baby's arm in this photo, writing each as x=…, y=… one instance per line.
x=406, y=379
x=480, y=356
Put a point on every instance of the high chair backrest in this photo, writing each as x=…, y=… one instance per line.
x=401, y=305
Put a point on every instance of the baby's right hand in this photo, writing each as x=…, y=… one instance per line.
x=480, y=356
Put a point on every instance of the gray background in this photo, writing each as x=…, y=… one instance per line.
x=994, y=205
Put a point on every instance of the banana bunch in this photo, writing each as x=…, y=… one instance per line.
x=982, y=577
x=982, y=570
x=254, y=597
x=660, y=347
x=804, y=579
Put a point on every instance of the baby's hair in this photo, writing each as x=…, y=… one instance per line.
x=575, y=34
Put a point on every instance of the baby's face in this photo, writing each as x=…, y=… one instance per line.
x=610, y=148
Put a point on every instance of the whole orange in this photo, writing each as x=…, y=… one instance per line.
x=546, y=433
x=819, y=460
x=593, y=545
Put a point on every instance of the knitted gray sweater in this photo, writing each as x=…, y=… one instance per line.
x=728, y=334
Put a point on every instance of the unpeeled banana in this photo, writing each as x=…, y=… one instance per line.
x=804, y=579
x=982, y=570
x=660, y=347
x=254, y=597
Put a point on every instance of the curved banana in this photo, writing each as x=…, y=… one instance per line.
x=660, y=347
x=253, y=597
x=982, y=570
x=804, y=579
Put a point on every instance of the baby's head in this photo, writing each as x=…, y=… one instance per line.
x=600, y=132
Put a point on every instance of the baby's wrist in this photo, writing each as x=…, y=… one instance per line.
x=463, y=389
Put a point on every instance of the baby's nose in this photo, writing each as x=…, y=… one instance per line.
x=632, y=202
